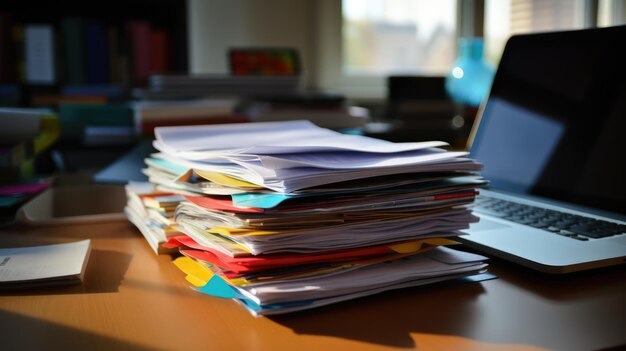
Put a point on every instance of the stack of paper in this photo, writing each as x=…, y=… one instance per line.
x=287, y=216
x=47, y=265
x=152, y=212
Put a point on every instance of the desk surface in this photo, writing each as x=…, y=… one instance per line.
x=132, y=299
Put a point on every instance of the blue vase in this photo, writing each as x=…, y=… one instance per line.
x=469, y=80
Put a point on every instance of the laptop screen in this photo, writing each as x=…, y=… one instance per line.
x=555, y=121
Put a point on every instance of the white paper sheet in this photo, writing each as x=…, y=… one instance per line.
x=420, y=266
x=48, y=262
x=210, y=142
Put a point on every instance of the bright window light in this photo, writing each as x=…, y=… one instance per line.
x=382, y=37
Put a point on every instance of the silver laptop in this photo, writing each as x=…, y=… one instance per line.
x=552, y=137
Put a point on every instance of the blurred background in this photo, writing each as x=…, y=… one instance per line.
x=84, y=84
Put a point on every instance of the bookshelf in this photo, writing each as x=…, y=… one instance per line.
x=80, y=61
x=62, y=49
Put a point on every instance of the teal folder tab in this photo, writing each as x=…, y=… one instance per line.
x=259, y=200
x=166, y=165
x=216, y=286
x=253, y=306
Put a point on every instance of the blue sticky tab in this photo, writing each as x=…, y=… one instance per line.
x=216, y=286
x=253, y=306
x=259, y=200
x=170, y=166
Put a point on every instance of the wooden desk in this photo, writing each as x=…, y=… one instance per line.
x=134, y=300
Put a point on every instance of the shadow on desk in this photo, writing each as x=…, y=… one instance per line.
x=562, y=287
x=57, y=336
x=446, y=307
x=521, y=310
x=104, y=274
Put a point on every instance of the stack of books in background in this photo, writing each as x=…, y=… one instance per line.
x=259, y=98
x=172, y=86
x=99, y=49
x=150, y=114
x=286, y=216
x=325, y=110
x=25, y=135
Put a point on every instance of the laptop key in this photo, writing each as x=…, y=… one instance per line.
x=592, y=233
x=539, y=224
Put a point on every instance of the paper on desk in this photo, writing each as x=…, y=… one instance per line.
x=237, y=242
x=48, y=263
x=318, y=214
x=245, y=198
x=204, y=218
x=234, y=136
x=166, y=166
x=221, y=204
x=255, y=263
x=288, y=307
x=268, y=138
x=436, y=262
x=293, y=179
x=221, y=244
x=352, y=160
x=383, y=202
x=290, y=295
x=183, y=184
x=432, y=186
x=225, y=180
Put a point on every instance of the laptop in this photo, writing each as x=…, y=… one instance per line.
x=552, y=138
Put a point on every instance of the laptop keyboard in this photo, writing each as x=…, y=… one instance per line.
x=566, y=224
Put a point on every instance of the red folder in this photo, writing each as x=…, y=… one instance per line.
x=261, y=262
x=225, y=204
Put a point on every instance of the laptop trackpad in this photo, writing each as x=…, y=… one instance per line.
x=485, y=224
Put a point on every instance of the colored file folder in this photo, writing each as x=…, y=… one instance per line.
x=288, y=216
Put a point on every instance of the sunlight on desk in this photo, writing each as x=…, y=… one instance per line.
x=133, y=299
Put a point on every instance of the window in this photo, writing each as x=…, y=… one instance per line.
x=398, y=36
x=504, y=18
x=361, y=42
x=611, y=12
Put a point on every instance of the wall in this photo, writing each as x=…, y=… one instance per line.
x=217, y=25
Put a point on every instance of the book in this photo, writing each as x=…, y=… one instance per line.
x=7, y=45
x=17, y=162
x=72, y=33
x=54, y=100
x=160, y=49
x=151, y=114
x=171, y=86
x=97, y=52
x=76, y=118
x=10, y=95
x=25, y=124
x=47, y=265
x=39, y=54
x=334, y=118
x=33, y=132
x=140, y=44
